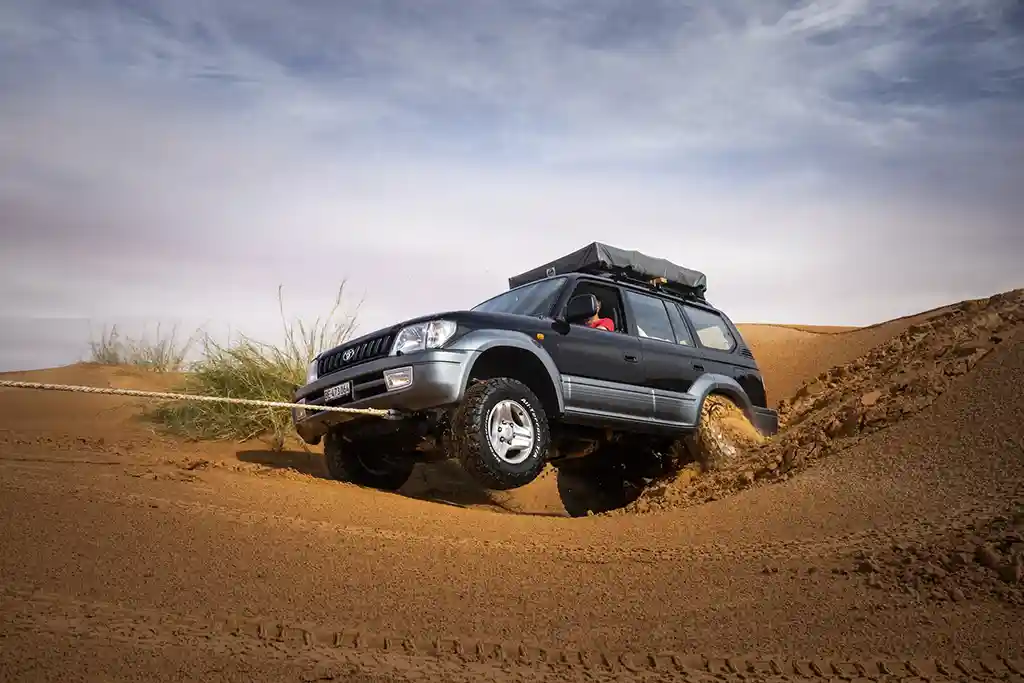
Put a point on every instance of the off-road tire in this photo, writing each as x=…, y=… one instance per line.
x=357, y=463
x=716, y=444
x=472, y=447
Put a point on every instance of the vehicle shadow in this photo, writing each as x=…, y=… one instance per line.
x=304, y=462
x=447, y=482
x=441, y=482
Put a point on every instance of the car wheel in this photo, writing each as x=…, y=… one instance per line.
x=500, y=433
x=360, y=464
x=723, y=434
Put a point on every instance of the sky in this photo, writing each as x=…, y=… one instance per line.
x=174, y=162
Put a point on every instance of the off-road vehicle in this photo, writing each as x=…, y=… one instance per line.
x=521, y=380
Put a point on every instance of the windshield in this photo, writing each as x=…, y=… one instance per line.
x=532, y=299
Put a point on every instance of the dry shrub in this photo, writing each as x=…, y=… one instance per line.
x=164, y=354
x=253, y=370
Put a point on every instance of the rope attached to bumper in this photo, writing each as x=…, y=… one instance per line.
x=162, y=395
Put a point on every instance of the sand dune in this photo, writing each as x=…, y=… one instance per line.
x=882, y=534
x=789, y=355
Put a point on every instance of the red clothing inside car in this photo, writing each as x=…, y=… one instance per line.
x=602, y=323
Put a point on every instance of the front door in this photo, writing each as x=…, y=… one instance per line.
x=602, y=374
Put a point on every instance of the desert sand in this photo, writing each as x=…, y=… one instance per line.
x=879, y=536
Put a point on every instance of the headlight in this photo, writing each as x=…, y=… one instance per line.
x=429, y=335
x=311, y=371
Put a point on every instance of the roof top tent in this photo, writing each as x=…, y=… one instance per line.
x=601, y=259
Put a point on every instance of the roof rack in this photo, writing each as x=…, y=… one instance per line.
x=659, y=284
x=622, y=265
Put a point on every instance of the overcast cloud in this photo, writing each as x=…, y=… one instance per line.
x=833, y=162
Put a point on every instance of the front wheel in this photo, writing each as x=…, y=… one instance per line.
x=500, y=433
x=360, y=463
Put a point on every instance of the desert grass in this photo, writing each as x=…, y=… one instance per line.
x=162, y=354
x=251, y=369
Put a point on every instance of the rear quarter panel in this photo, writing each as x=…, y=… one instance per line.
x=735, y=365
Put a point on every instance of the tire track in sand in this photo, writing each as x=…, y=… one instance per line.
x=957, y=519
x=320, y=646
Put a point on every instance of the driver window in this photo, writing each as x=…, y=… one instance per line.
x=611, y=302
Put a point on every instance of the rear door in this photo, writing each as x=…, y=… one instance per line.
x=671, y=364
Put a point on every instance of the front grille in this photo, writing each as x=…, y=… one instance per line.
x=335, y=360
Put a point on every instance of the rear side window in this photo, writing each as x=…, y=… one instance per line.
x=650, y=316
x=683, y=335
x=712, y=331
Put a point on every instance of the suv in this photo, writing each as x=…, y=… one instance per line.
x=521, y=380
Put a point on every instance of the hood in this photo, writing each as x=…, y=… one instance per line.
x=512, y=320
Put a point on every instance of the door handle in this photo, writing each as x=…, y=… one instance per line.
x=631, y=358
x=698, y=367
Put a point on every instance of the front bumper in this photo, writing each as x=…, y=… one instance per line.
x=766, y=421
x=438, y=379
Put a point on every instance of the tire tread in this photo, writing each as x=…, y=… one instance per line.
x=468, y=433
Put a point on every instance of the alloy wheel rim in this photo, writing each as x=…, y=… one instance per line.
x=511, y=431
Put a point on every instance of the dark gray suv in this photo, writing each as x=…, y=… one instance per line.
x=522, y=379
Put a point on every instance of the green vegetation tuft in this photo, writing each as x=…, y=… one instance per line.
x=254, y=370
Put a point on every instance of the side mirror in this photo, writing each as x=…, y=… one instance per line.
x=580, y=308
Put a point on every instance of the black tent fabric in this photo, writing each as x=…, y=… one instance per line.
x=597, y=257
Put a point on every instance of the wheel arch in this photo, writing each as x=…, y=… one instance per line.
x=721, y=385
x=519, y=357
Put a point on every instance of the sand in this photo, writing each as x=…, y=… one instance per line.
x=887, y=542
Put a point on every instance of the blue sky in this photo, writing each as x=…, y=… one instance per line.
x=842, y=161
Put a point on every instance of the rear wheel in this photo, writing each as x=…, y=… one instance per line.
x=500, y=433
x=360, y=463
x=723, y=434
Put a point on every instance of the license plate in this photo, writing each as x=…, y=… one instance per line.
x=337, y=391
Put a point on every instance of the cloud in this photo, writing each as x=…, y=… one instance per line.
x=181, y=159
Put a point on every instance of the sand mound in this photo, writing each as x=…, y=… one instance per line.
x=850, y=402
x=984, y=560
x=71, y=421
x=791, y=355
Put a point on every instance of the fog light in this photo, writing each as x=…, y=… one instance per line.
x=399, y=378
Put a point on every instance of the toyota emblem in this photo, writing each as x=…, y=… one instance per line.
x=347, y=356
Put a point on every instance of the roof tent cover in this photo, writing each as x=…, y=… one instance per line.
x=597, y=258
